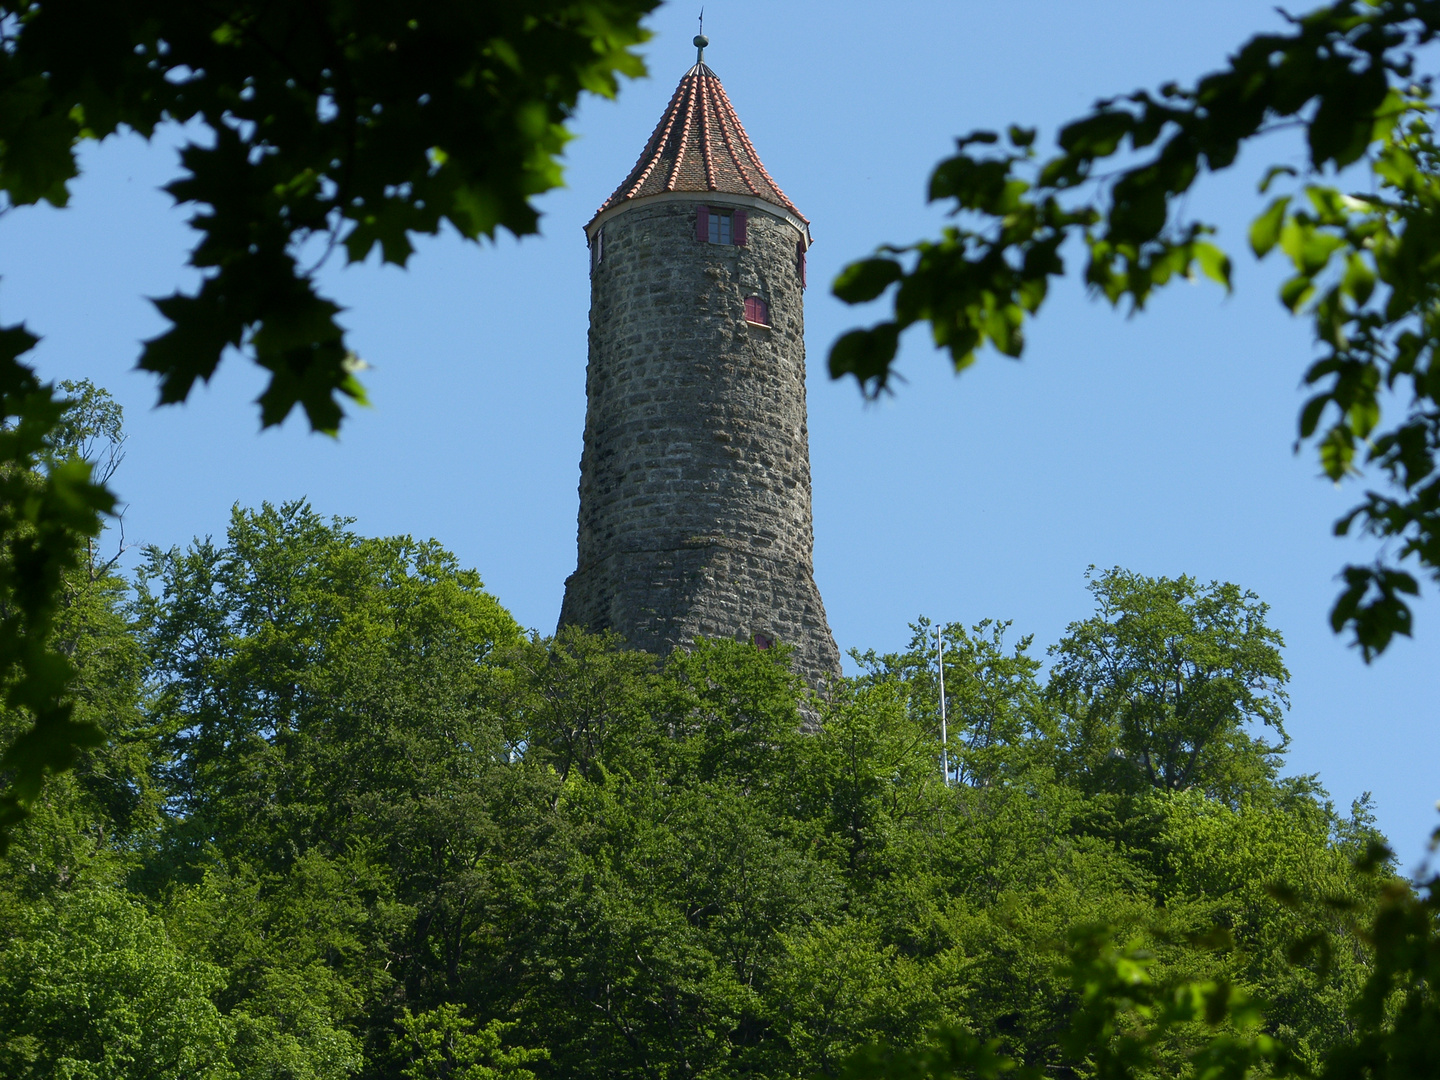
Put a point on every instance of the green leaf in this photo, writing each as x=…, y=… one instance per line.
x=1265, y=229
x=1096, y=136
x=865, y=280
x=1273, y=173
x=866, y=354
x=1359, y=280
x=1342, y=125
x=1283, y=893
x=1308, y=247
x=1214, y=263
x=974, y=183
x=1296, y=291
x=1139, y=210
x=1311, y=413
x=201, y=328
x=1371, y=607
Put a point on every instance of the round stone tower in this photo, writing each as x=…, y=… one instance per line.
x=695, y=476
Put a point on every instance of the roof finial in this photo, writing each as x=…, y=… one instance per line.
x=701, y=40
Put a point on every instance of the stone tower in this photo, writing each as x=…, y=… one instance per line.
x=695, y=476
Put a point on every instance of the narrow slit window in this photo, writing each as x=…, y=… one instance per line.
x=597, y=247
x=757, y=311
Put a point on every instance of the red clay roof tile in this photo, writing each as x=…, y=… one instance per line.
x=699, y=145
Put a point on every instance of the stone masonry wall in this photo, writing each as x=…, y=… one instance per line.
x=695, y=476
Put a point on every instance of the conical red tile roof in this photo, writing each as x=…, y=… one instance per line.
x=699, y=145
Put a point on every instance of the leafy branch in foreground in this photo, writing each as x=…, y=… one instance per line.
x=361, y=122
x=1365, y=266
x=354, y=123
x=48, y=510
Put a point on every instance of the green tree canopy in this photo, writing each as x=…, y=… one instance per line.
x=95, y=988
x=383, y=835
x=298, y=642
x=1162, y=685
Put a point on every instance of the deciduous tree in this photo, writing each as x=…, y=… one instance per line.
x=1163, y=685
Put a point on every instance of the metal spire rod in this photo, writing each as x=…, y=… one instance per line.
x=701, y=40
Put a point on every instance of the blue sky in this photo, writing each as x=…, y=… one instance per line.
x=1161, y=443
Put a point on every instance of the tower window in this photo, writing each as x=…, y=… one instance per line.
x=757, y=311
x=713, y=226
x=597, y=247
x=721, y=228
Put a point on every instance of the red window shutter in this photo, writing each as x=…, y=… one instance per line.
x=737, y=229
x=702, y=225
x=800, y=253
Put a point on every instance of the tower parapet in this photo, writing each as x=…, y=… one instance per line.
x=695, y=515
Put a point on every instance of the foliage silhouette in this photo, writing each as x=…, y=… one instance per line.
x=338, y=124
x=1364, y=264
